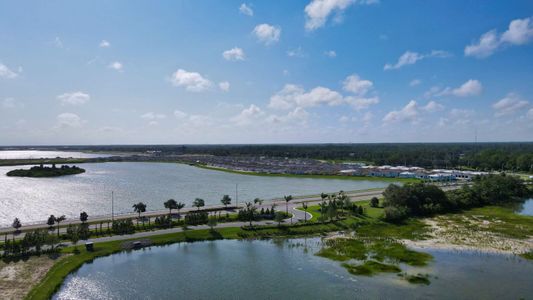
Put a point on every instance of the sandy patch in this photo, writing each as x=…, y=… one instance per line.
x=17, y=278
x=447, y=234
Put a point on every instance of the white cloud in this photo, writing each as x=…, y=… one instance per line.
x=248, y=115
x=191, y=81
x=359, y=103
x=68, y=120
x=294, y=96
x=330, y=53
x=58, y=43
x=470, y=88
x=460, y=116
x=485, y=46
x=104, y=44
x=520, y=32
x=409, y=113
x=410, y=58
x=224, y=86
x=11, y=103
x=74, y=98
x=180, y=114
x=7, y=73
x=234, y=54
x=318, y=11
x=509, y=105
x=116, y=65
x=153, y=116
x=357, y=85
x=295, y=52
x=415, y=82
x=246, y=10
x=267, y=34
x=529, y=114
x=433, y=106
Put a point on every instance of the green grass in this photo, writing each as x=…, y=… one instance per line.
x=417, y=279
x=370, y=267
x=527, y=255
x=369, y=178
x=500, y=220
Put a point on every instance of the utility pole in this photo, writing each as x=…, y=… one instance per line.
x=237, y=195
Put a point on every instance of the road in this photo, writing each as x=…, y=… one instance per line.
x=280, y=205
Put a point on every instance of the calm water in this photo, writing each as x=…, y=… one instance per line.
x=34, y=199
x=34, y=154
x=526, y=208
x=276, y=270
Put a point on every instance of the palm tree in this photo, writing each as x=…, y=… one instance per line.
x=83, y=217
x=179, y=206
x=323, y=207
x=304, y=206
x=170, y=204
x=287, y=199
x=51, y=221
x=198, y=202
x=226, y=200
x=258, y=201
x=59, y=220
x=139, y=208
x=250, y=209
x=16, y=224
x=323, y=196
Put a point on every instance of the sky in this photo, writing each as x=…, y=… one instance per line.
x=309, y=71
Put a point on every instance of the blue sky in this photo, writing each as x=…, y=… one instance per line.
x=122, y=72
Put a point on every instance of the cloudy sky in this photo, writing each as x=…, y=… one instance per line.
x=172, y=72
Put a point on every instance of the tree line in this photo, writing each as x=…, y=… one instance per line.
x=419, y=199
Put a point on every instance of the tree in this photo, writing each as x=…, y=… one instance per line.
x=58, y=220
x=258, y=201
x=212, y=222
x=51, y=221
x=83, y=217
x=287, y=199
x=139, y=208
x=279, y=217
x=304, y=206
x=179, y=206
x=226, y=200
x=198, y=202
x=16, y=224
x=250, y=211
x=374, y=202
x=170, y=204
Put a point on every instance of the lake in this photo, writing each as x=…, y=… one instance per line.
x=36, y=154
x=286, y=269
x=34, y=199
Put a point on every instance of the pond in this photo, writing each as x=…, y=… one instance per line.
x=526, y=208
x=286, y=269
x=34, y=199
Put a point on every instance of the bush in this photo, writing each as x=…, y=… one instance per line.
x=395, y=214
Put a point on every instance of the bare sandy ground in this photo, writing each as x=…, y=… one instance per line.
x=449, y=236
x=17, y=278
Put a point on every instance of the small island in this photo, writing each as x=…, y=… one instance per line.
x=42, y=171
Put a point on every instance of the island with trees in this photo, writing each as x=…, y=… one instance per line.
x=43, y=171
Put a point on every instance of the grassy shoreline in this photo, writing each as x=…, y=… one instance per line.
x=368, y=226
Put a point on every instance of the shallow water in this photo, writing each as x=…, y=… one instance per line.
x=282, y=269
x=34, y=199
x=526, y=208
x=36, y=154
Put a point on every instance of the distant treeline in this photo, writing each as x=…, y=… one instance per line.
x=483, y=156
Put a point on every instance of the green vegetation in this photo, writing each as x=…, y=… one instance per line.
x=371, y=267
x=416, y=279
x=42, y=171
x=421, y=199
